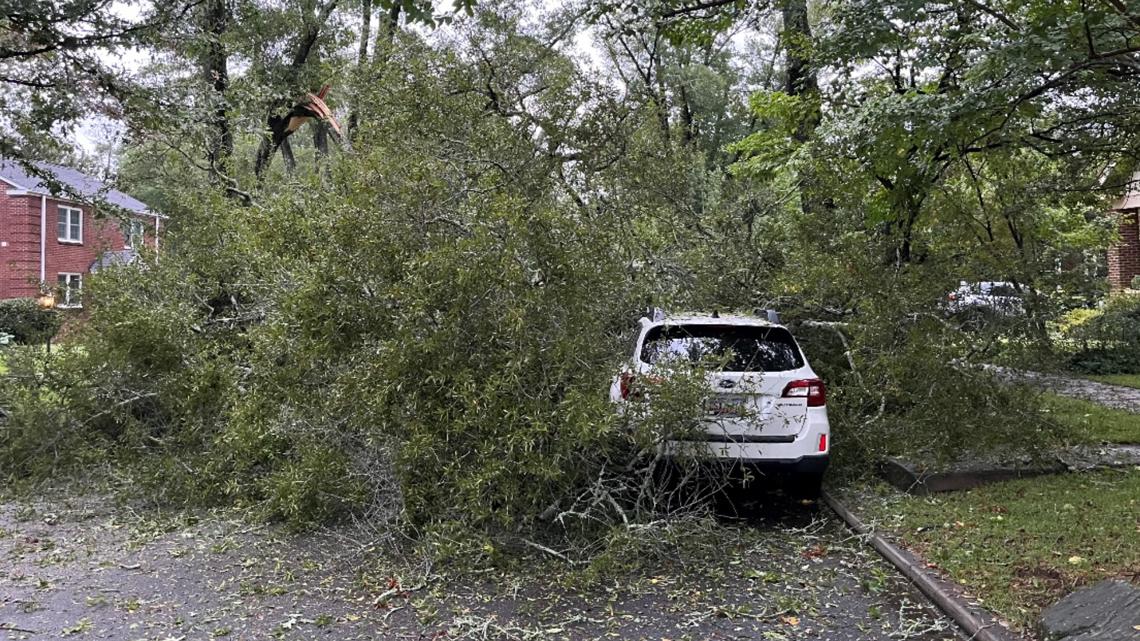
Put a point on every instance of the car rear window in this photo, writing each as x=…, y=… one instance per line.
x=744, y=348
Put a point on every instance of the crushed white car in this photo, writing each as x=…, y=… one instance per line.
x=767, y=410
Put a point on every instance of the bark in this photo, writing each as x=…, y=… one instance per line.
x=309, y=40
x=689, y=131
x=215, y=69
x=320, y=141
x=802, y=79
x=391, y=24
x=361, y=63
x=661, y=97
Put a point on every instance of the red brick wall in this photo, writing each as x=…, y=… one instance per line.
x=1124, y=256
x=19, y=246
x=20, y=243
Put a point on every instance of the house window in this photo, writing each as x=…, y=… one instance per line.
x=70, y=290
x=133, y=234
x=70, y=225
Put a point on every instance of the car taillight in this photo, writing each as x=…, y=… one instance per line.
x=823, y=442
x=812, y=389
x=628, y=388
x=625, y=385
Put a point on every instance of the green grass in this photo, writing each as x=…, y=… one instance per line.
x=1126, y=380
x=1091, y=422
x=1021, y=545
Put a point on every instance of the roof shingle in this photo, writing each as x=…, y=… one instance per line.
x=80, y=183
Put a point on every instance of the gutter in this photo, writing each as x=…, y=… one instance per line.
x=43, y=240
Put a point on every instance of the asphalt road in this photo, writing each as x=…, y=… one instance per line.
x=85, y=568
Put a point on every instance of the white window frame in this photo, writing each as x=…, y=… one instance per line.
x=65, y=289
x=71, y=211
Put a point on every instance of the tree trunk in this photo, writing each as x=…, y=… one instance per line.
x=320, y=141
x=361, y=63
x=215, y=69
x=802, y=80
x=289, y=78
x=392, y=22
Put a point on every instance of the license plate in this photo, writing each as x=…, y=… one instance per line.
x=726, y=407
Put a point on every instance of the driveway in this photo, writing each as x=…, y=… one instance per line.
x=86, y=568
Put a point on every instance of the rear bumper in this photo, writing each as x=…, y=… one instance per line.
x=813, y=465
x=779, y=451
x=803, y=466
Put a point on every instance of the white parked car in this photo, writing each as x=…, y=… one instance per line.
x=768, y=409
x=997, y=297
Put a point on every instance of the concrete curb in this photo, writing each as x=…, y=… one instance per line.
x=977, y=624
x=913, y=479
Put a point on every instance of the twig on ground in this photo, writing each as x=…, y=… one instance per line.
x=393, y=611
x=384, y=597
x=555, y=553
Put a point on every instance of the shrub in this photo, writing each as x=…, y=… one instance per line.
x=27, y=322
x=1109, y=338
x=902, y=403
x=37, y=428
x=1074, y=320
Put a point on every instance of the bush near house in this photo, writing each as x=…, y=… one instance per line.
x=27, y=322
x=1109, y=338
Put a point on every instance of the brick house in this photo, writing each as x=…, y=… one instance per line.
x=1124, y=256
x=49, y=242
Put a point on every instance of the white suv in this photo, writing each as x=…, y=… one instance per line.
x=768, y=409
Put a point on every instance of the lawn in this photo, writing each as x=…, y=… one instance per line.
x=1126, y=380
x=1092, y=422
x=1021, y=545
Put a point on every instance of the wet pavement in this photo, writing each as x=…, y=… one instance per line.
x=1114, y=396
x=86, y=568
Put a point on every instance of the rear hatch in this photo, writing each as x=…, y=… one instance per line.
x=753, y=366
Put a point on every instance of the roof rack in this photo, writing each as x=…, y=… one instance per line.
x=656, y=315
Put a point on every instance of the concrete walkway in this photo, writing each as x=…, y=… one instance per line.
x=1114, y=396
